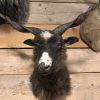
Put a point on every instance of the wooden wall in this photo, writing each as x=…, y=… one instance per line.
x=16, y=58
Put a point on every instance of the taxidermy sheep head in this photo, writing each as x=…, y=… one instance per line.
x=50, y=72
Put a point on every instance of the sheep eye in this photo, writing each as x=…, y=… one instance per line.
x=58, y=44
x=37, y=44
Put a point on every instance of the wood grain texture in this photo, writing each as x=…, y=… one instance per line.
x=54, y=13
x=19, y=61
x=16, y=64
x=84, y=87
x=81, y=1
x=10, y=38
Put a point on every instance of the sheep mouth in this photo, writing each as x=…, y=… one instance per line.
x=44, y=71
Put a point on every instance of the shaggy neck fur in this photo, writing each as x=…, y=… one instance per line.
x=54, y=84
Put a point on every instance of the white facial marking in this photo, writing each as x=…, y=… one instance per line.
x=46, y=35
x=45, y=58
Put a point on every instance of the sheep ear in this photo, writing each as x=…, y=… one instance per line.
x=71, y=40
x=29, y=42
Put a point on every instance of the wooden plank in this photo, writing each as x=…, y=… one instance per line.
x=15, y=61
x=13, y=87
x=19, y=61
x=83, y=60
x=54, y=13
x=81, y=1
x=9, y=38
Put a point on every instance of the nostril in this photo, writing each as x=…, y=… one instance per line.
x=42, y=67
x=42, y=64
x=46, y=67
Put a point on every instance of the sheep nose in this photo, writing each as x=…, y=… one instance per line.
x=43, y=68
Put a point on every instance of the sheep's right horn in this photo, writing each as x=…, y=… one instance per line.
x=20, y=28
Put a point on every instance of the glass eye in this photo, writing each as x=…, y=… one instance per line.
x=58, y=44
x=37, y=44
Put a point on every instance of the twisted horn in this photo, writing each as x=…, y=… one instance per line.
x=79, y=20
x=21, y=28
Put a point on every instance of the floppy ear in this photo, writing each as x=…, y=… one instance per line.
x=21, y=28
x=71, y=40
x=29, y=42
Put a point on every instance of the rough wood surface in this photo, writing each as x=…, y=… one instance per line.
x=16, y=64
x=84, y=87
x=9, y=38
x=19, y=61
x=54, y=13
x=79, y=1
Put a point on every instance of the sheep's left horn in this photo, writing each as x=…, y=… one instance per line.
x=79, y=20
x=21, y=28
x=62, y=28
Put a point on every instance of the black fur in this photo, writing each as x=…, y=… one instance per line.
x=17, y=10
x=56, y=82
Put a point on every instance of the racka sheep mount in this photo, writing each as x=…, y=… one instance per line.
x=50, y=79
